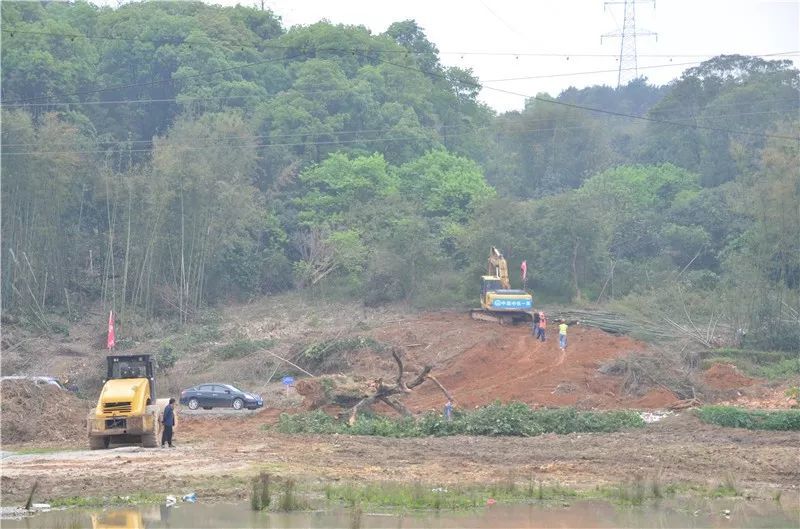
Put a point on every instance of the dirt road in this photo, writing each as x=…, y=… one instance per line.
x=217, y=455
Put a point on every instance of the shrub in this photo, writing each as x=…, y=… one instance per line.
x=241, y=348
x=767, y=364
x=259, y=495
x=498, y=419
x=289, y=500
x=166, y=356
x=733, y=417
x=319, y=352
x=312, y=422
x=514, y=419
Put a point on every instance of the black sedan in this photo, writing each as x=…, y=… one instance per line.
x=214, y=395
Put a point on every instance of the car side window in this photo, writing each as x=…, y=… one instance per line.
x=219, y=389
x=204, y=387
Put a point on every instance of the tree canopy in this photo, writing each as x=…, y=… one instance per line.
x=160, y=157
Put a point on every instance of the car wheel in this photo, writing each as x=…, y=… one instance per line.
x=237, y=404
x=193, y=403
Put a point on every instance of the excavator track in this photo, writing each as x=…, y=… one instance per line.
x=483, y=315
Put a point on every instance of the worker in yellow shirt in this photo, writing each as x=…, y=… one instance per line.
x=562, y=335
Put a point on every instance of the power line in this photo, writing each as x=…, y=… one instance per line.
x=598, y=110
x=441, y=76
x=208, y=41
x=21, y=102
x=208, y=142
x=665, y=65
x=546, y=76
x=244, y=96
x=439, y=129
x=189, y=147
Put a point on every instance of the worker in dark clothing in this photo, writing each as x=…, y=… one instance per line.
x=168, y=421
x=536, y=320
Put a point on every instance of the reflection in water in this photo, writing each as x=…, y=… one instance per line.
x=122, y=519
x=585, y=514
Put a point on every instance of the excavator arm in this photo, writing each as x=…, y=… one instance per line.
x=498, y=267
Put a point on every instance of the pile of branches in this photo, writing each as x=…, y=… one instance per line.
x=642, y=372
x=41, y=413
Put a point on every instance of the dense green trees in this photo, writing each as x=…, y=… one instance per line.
x=163, y=156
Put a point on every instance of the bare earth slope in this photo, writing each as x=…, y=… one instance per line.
x=478, y=362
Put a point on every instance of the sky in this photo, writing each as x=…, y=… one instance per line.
x=496, y=38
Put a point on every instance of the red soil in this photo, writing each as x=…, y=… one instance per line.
x=484, y=362
x=724, y=377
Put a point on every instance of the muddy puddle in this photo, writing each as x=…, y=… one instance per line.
x=583, y=514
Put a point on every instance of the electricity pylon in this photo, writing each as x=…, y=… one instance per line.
x=628, y=61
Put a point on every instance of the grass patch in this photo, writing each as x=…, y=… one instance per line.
x=727, y=488
x=105, y=501
x=289, y=499
x=259, y=494
x=734, y=417
x=241, y=348
x=765, y=364
x=42, y=450
x=425, y=496
x=514, y=419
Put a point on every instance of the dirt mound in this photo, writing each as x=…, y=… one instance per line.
x=764, y=398
x=480, y=362
x=726, y=377
x=40, y=413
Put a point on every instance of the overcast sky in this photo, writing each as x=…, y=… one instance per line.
x=689, y=31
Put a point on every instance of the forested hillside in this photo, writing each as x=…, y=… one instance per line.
x=163, y=157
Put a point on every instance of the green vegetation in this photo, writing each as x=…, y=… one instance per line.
x=289, y=499
x=794, y=393
x=241, y=348
x=223, y=156
x=767, y=364
x=319, y=352
x=105, y=501
x=260, y=493
x=424, y=496
x=515, y=419
x=751, y=419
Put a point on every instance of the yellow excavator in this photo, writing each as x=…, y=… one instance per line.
x=127, y=411
x=499, y=302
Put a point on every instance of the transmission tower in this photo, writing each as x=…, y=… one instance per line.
x=628, y=62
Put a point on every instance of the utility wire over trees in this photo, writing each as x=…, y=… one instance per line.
x=184, y=155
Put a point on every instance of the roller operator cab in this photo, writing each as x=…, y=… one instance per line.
x=127, y=411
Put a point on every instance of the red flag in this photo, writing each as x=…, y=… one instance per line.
x=111, y=338
x=524, y=269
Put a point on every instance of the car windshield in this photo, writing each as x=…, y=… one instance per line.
x=228, y=386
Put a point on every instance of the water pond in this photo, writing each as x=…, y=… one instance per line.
x=727, y=513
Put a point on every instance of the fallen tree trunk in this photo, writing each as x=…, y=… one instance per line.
x=357, y=393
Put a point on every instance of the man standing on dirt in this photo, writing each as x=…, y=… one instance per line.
x=562, y=335
x=542, y=326
x=536, y=320
x=168, y=421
